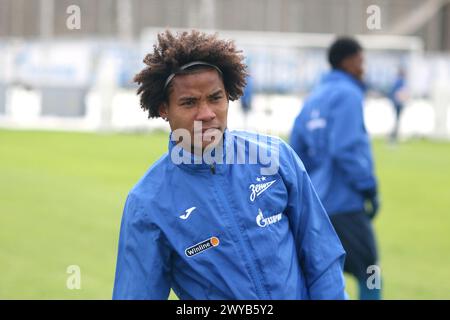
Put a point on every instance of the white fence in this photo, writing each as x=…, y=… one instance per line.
x=86, y=84
x=272, y=114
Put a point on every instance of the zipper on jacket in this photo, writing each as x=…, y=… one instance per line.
x=235, y=225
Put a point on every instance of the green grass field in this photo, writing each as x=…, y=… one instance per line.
x=61, y=199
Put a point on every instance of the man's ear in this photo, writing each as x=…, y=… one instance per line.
x=164, y=110
x=346, y=64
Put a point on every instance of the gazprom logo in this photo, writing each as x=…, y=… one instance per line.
x=264, y=222
x=202, y=246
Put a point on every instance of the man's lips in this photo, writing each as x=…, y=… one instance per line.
x=206, y=129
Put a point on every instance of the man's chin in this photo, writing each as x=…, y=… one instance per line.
x=208, y=144
x=211, y=136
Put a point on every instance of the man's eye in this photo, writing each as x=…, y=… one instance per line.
x=187, y=103
x=215, y=98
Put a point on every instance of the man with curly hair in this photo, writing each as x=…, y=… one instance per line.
x=212, y=219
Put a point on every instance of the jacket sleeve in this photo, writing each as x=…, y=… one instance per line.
x=142, y=270
x=319, y=249
x=349, y=144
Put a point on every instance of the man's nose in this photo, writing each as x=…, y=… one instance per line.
x=205, y=112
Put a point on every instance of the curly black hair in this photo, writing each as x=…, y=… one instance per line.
x=174, y=51
x=342, y=48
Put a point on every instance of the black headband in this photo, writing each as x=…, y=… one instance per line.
x=188, y=65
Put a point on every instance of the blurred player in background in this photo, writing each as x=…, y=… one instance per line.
x=398, y=96
x=330, y=137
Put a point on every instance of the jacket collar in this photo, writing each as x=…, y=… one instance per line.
x=187, y=160
x=339, y=75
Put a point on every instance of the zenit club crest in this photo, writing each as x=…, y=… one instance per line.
x=202, y=246
x=256, y=189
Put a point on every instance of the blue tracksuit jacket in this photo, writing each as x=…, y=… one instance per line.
x=330, y=137
x=225, y=231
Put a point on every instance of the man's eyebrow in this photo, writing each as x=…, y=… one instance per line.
x=215, y=93
x=187, y=98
